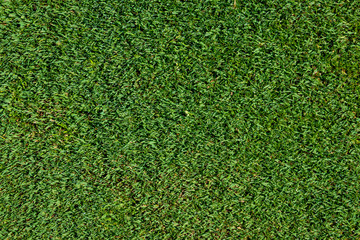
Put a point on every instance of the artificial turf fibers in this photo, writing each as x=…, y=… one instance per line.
x=165, y=119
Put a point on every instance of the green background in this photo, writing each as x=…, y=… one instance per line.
x=179, y=119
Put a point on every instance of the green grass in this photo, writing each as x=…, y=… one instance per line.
x=165, y=119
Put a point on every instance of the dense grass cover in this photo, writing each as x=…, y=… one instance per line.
x=179, y=119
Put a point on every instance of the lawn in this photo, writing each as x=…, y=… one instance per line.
x=169, y=119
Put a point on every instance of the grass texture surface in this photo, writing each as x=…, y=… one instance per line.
x=165, y=119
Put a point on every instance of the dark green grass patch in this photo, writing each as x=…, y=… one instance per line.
x=179, y=119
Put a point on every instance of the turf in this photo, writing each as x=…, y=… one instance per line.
x=165, y=119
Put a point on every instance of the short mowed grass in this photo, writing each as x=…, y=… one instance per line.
x=165, y=119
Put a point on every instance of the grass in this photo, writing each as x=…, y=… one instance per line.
x=179, y=119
